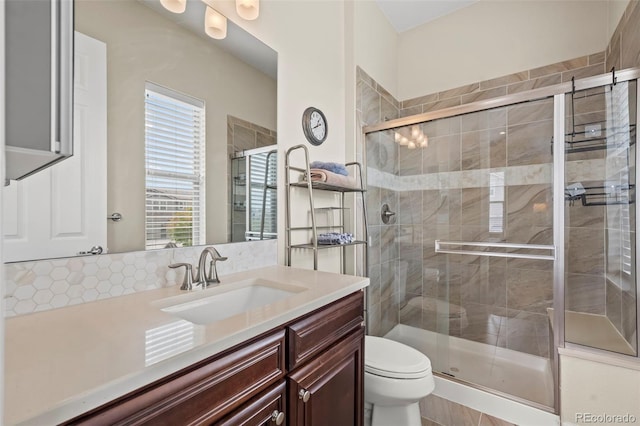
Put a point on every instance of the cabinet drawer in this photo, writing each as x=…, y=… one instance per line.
x=202, y=393
x=313, y=333
x=261, y=410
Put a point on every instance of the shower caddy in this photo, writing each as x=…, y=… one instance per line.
x=310, y=187
x=596, y=136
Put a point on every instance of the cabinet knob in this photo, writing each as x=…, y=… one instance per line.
x=277, y=417
x=304, y=395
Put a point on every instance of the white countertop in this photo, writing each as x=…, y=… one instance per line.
x=64, y=362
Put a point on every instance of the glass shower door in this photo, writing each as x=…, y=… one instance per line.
x=600, y=217
x=468, y=266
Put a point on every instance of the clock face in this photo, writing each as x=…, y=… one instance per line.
x=318, y=126
x=314, y=125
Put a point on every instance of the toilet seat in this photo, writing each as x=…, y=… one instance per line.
x=387, y=358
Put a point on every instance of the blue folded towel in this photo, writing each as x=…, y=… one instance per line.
x=332, y=167
x=335, y=238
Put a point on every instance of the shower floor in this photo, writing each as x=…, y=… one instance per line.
x=511, y=372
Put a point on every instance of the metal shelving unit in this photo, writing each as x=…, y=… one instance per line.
x=310, y=186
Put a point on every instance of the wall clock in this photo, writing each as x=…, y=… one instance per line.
x=314, y=125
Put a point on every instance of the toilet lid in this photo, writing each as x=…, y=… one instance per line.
x=388, y=358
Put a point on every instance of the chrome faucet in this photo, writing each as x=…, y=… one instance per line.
x=190, y=280
x=212, y=277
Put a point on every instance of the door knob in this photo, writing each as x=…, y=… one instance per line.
x=93, y=250
x=304, y=395
x=116, y=217
x=277, y=417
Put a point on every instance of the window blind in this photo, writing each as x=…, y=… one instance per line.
x=258, y=192
x=175, y=172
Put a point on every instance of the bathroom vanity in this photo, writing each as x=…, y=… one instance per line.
x=295, y=361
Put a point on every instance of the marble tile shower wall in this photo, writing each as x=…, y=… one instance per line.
x=442, y=192
x=40, y=285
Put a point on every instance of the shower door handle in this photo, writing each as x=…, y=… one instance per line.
x=440, y=248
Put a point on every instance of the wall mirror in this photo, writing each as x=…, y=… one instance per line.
x=168, y=108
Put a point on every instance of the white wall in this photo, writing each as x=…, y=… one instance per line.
x=376, y=45
x=494, y=38
x=590, y=386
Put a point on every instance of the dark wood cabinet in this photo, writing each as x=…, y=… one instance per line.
x=202, y=393
x=309, y=371
x=327, y=390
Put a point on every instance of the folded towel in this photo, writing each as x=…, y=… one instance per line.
x=335, y=238
x=330, y=178
x=332, y=167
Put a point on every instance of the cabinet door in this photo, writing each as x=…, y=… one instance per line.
x=328, y=390
x=268, y=409
x=62, y=210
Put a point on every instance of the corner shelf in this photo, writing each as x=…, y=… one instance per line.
x=311, y=186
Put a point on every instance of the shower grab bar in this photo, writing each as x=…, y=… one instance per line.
x=440, y=249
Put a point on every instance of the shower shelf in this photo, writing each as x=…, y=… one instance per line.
x=579, y=142
x=604, y=195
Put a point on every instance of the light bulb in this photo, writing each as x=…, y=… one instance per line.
x=424, y=143
x=415, y=131
x=411, y=145
x=404, y=141
x=175, y=6
x=397, y=136
x=215, y=24
x=248, y=9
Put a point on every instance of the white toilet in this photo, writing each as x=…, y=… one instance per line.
x=396, y=377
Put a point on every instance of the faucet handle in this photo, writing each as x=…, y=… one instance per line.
x=213, y=270
x=187, y=282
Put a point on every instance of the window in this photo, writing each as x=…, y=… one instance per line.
x=262, y=211
x=174, y=163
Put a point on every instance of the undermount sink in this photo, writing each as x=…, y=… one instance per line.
x=241, y=297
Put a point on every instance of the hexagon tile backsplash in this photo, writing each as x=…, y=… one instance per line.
x=41, y=285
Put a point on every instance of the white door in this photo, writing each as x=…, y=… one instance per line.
x=62, y=210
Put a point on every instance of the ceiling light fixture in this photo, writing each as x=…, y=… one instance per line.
x=248, y=9
x=175, y=6
x=215, y=24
